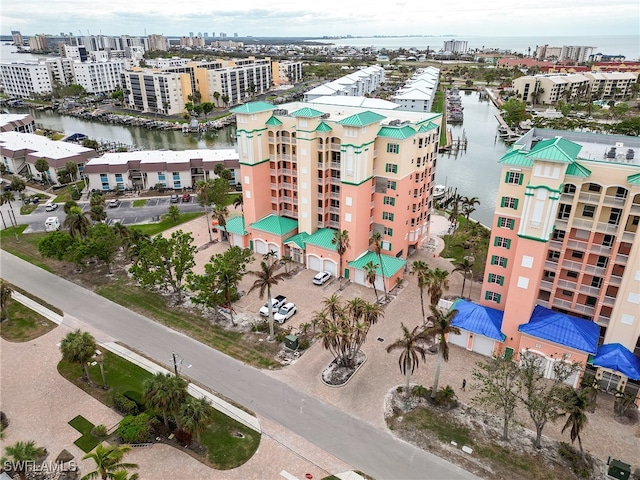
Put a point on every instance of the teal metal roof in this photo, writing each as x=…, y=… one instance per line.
x=236, y=225
x=299, y=240
x=577, y=170
x=322, y=238
x=361, y=119
x=401, y=133
x=306, y=112
x=275, y=224
x=253, y=107
x=427, y=127
x=273, y=121
x=323, y=127
x=391, y=264
x=555, y=149
x=634, y=179
x=515, y=156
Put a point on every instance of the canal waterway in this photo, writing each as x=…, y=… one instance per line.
x=474, y=172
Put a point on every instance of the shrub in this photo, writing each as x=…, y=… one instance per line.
x=124, y=405
x=304, y=344
x=578, y=465
x=183, y=438
x=281, y=333
x=420, y=391
x=135, y=429
x=446, y=397
x=260, y=326
x=100, y=431
x=75, y=194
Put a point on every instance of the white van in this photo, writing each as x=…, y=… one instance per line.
x=51, y=224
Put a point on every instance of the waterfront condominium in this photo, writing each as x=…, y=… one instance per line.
x=340, y=163
x=562, y=276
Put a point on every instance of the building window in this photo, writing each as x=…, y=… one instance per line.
x=389, y=201
x=506, y=222
x=386, y=246
x=559, y=235
x=393, y=148
x=589, y=211
x=498, y=260
x=564, y=212
x=569, y=188
x=502, y=242
x=514, y=178
x=593, y=187
x=607, y=240
x=509, y=202
x=391, y=168
x=387, y=216
x=602, y=261
x=493, y=278
x=553, y=255
x=572, y=274
x=388, y=231
x=492, y=297
x=577, y=254
x=391, y=184
x=161, y=177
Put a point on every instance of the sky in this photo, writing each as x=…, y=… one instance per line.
x=284, y=18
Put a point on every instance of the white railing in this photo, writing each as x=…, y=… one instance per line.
x=335, y=147
x=628, y=236
x=582, y=223
x=572, y=265
x=558, y=302
x=589, y=290
x=600, y=249
x=542, y=302
x=615, y=280
x=335, y=165
x=587, y=309
x=284, y=171
x=635, y=208
x=546, y=285
x=272, y=171
x=610, y=301
x=623, y=259
x=562, y=223
x=335, y=195
x=577, y=244
x=556, y=244
x=566, y=198
x=607, y=227
x=550, y=265
x=594, y=269
x=589, y=197
x=613, y=201
x=566, y=284
x=603, y=321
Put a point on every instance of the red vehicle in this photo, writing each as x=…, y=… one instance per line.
x=186, y=197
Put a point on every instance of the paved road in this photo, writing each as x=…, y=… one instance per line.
x=357, y=443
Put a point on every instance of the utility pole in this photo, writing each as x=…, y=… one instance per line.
x=175, y=364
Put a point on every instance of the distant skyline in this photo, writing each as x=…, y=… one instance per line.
x=285, y=18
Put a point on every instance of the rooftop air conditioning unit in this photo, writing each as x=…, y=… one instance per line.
x=325, y=115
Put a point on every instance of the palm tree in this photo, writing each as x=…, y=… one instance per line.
x=454, y=203
x=6, y=198
x=216, y=96
x=420, y=270
x=5, y=297
x=239, y=202
x=124, y=475
x=412, y=349
x=376, y=243
x=108, y=462
x=165, y=392
x=42, y=166
x=267, y=277
x=72, y=169
x=464, y=267
x=77, y=223
x=22, y=454
x=79, y=347
x=195, y=415
x=468, y=207
x=97, y=213
x=221, y=213
x=437, y=282
x=440, y=327
x=370, y=271
x=341, y=241
x=576, y=404
x=203, y=188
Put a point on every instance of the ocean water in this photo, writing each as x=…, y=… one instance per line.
x=627, y=45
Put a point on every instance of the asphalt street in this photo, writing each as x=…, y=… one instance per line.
x=366, y=448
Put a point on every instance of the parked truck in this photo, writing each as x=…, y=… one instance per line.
x=51, y=224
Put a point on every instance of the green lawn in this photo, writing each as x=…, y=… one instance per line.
x=27, y=209
x=141, y=202
x=166, y=223
x=36, y=299
x=25, y=247
x=225, y=449
x=64, y=193
x=24, y=324
x=87, y=441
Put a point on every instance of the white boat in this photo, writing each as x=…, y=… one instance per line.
x=439, y=191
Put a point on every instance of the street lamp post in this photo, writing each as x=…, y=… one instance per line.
x=175, y=363
x=470, y=283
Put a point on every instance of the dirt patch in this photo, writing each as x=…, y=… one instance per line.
x=337, y=375
x=445, y=432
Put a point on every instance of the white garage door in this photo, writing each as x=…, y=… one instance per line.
x=361, y=278
x=261, y=246
x=483, y=345
x=314, y=263
x=380, y=282
x=331, y=267
x=275, y=249
x=459, y=340
x=237, y=240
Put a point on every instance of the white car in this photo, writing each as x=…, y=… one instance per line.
x=286, y=312
x=322, y=278
x=50, y=207
x=114, y=203
x=277, y=303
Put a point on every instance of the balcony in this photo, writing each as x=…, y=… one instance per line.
x=273, y=186
x=555, y=244
x=577, y=245
x=635, y=209
x=334, y=224
x=603, y=321
x=334, y=209
x=615, y=280
x=622, y=259
x=335, y=195
x=285, y=199
x=570, y=265
x=586, y=224
x=613, y=201
x=610, y=301
x=605, y=227
x=272, y=171
x=285, y=139
x=272, y=139
x=545, y=285
x=284, y=156
x=562, y=223
x=589, y=290
x=543, y=303
x=628, y=236
x=551, y=264
x=286, y=185
x=567, y=285
x=335, y=165
x=334, y=180
x=567, y=197
x=565, y=304
x=284, y=171
x=321, y=166
x=335, y=147
x=600, y=249
x=589, y=197
x=594, y=269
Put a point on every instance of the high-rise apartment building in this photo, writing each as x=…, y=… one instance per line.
x=287, y=72
x=16, y=36
x=25, y=79
x=562, y=278
x=456, y=46
x=158, y=42
x=341, y=163
x=157, y=92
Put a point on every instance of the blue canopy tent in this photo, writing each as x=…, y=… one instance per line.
x=478, y=319
x=617, y=357
x=562, y=329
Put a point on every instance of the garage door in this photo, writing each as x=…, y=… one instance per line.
x=314, y=263
x=275, y=249
x=237, y=240
x=331, y=267
x=483, y=345
x=360, y=277
x=380, y=282
x=459, y=340
x=261, y=246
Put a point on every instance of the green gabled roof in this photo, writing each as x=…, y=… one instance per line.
x=427, y=126
x=362, y=119
x=391, y=264
x=273, y=121
x=306, y=112
x=323, y=127
x=402, y=132
x=634, y=179
x=236, y=225
x=253, y=107
x=577, y=170
x=299, y=240
x=555, y=149
x=516, y=157
x=322, y=238
x=275, y=224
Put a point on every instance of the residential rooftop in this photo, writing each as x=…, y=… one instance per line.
x=166, y=156
x=42, y=146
